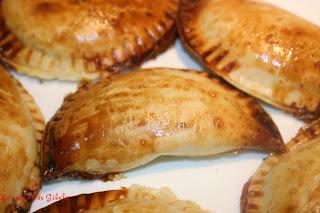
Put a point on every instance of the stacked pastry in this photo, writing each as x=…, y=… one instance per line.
x=124, y=120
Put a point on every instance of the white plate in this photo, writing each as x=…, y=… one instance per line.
x=214, y=183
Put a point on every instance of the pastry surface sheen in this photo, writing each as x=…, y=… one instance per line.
x=76, y=39
x=127, y=120
x=259, y=48
x=21, y=127
x=290, y=182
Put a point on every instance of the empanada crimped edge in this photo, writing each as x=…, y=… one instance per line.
x=85, y=201
x=253, y=189
x=269, y=140
x=221, y=66
x=134, y=199
x=30, y=191
x=37, y=63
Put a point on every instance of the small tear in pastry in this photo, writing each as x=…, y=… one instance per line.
x=263, y=50
x=289, y=182
x=128, y=120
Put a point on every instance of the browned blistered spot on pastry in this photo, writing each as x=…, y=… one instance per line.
x=295, y=32
x=317, y=65
x=269, y=38
x=290, y=208
x=142, y=123
x=252, y=206
x=184, y=125
x=218, y=123
x=311, y=162
x=48, y=7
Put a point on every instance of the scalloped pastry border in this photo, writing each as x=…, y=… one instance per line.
x=191, y=42
x=253, y=190
x=134, y=194
x=256, y=111
x=159, y=37
x=34, y=183
x=86, y=201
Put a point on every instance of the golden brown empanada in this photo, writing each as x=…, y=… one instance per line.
x=136, y=199
x=127, y=120
x=74, y=39
x=290, y=182
x=259, y=48
x=21, y=127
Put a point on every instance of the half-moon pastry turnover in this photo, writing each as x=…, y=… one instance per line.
x=136, y=199
x=290, y=182
x=261, y=49
x=127, y=120
x=74, y=39
x=21, y=127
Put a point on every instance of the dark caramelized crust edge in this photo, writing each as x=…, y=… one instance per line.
x=261, y=116
x=135, y=61
x=309, y=132
x=188, y=10
x=86, y=202
x=11, y=45
x=33, y=186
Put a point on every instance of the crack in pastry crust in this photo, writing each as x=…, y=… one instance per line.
x=269, y=53
x=14, y=94
x=75, y=40
x=127, y=120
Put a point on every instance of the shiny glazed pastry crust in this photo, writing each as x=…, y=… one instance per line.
x=290, y=182
x=127, y=120
x=259, y=48
x=137, y=199
x=21, y=127
x=75, y=39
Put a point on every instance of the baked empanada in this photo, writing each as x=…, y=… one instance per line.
x=290, y=182
x=259, y=48
x=137, y=199
x=74, y=39
x=21, y=127
x=127, y=120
